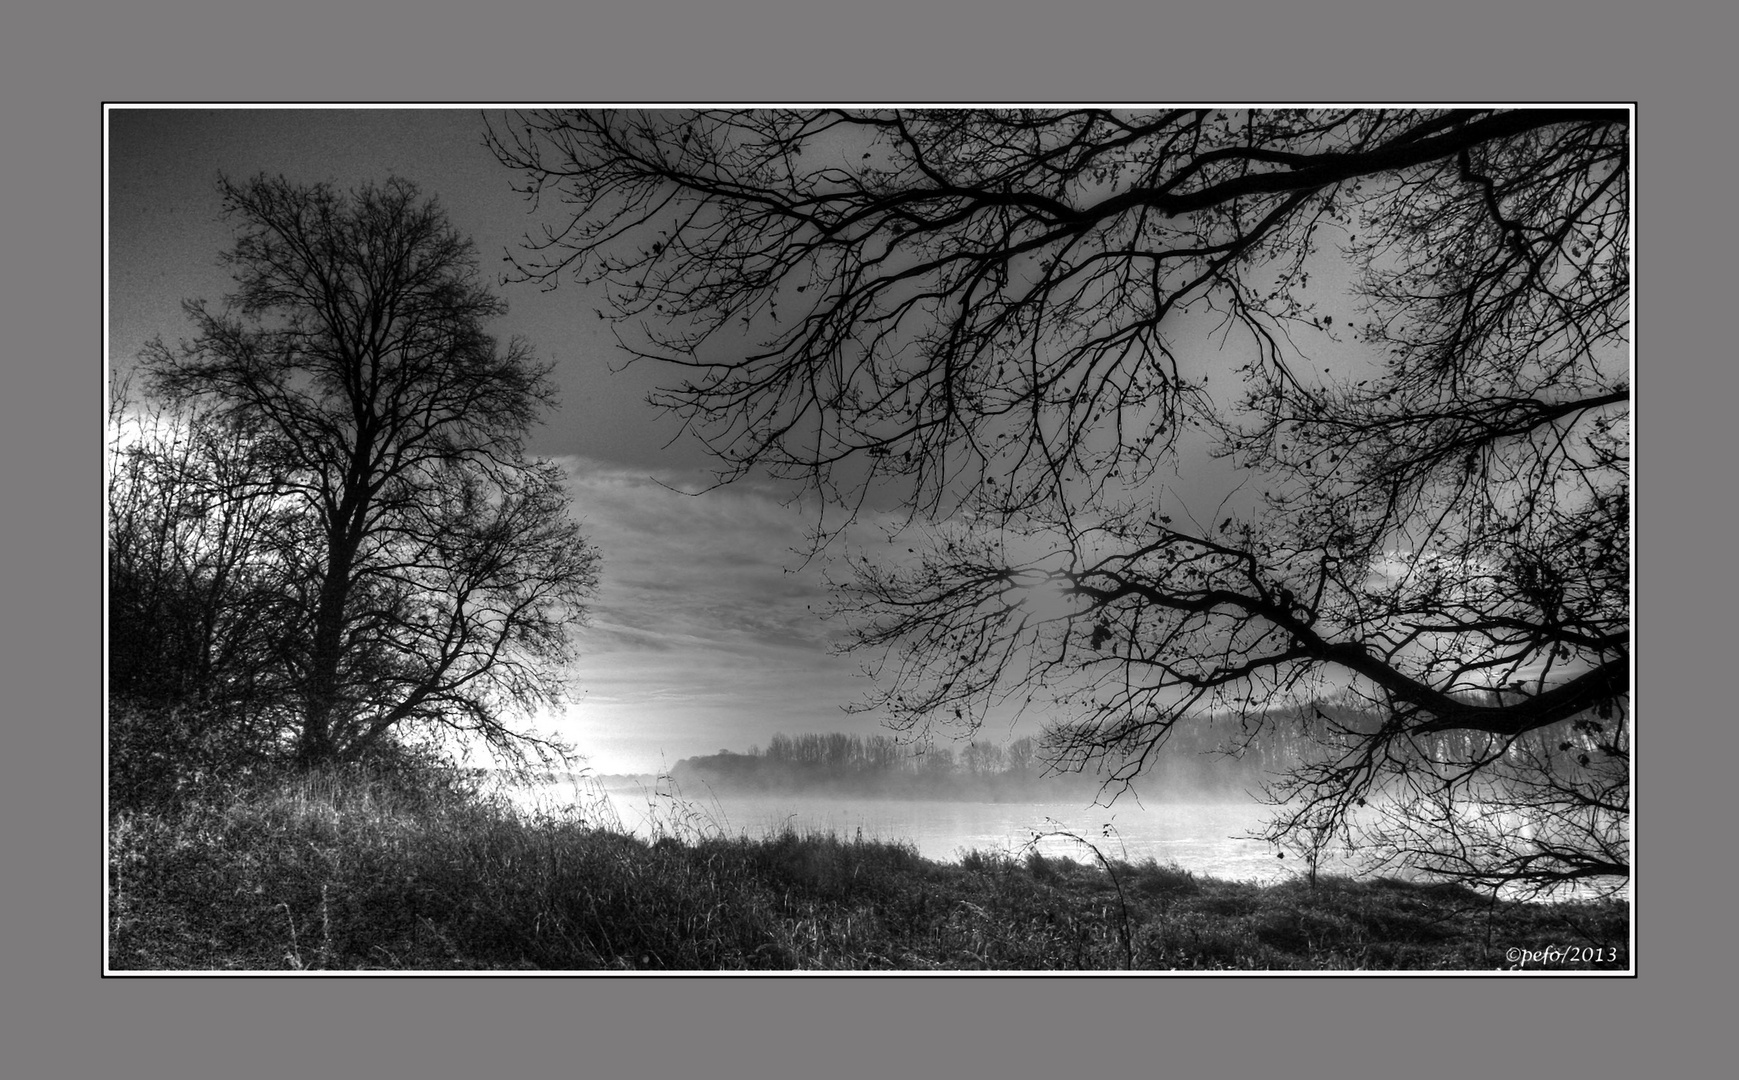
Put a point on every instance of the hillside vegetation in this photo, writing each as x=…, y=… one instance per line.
x=415, y=868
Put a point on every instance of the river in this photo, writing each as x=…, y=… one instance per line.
x=1205, y=838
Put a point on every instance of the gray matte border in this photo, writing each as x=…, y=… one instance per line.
x=59, y=64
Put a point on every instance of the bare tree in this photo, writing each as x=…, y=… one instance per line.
x=196, y=595
x=982, y=758
x=1531, y=813
x=437, y=574
x=188, y=535
x=1021, y=322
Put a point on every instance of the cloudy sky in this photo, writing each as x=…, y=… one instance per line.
x=704, y=635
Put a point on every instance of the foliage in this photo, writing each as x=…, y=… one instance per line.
x=333, y=527
x=1407, y=330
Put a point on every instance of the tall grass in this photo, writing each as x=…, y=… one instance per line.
x=351, y=869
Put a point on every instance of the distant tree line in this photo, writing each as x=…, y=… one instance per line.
x=1207, y=758
x=1578, y=766
x=838, y=763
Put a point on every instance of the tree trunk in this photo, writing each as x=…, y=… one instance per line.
x=322, y=699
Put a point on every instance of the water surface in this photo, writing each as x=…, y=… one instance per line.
x=1207, y=838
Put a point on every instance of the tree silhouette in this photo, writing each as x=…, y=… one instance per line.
x=1020, y=323
x=190, y=610
x=436, y=574
x=197, y=597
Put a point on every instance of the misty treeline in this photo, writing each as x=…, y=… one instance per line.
x=326, y=542
x=1208, y=758
x=849, y=764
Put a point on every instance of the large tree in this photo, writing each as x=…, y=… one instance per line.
x=428, y=572
x=1404, y=332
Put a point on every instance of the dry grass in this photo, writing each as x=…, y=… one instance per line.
x=348, y=871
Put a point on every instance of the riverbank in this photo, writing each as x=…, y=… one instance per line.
x=345, y=871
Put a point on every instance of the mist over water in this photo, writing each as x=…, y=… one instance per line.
x=1204, y=837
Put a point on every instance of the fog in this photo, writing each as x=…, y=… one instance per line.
x=1197, y=768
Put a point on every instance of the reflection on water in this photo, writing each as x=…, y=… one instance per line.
x=1203, y=838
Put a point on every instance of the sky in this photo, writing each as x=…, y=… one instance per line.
x=704, y=634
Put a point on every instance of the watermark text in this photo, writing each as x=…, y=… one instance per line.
x=1560, y=955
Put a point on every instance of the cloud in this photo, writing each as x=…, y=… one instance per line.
x=706, y=630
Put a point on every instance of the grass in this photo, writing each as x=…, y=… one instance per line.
x=344, y=871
